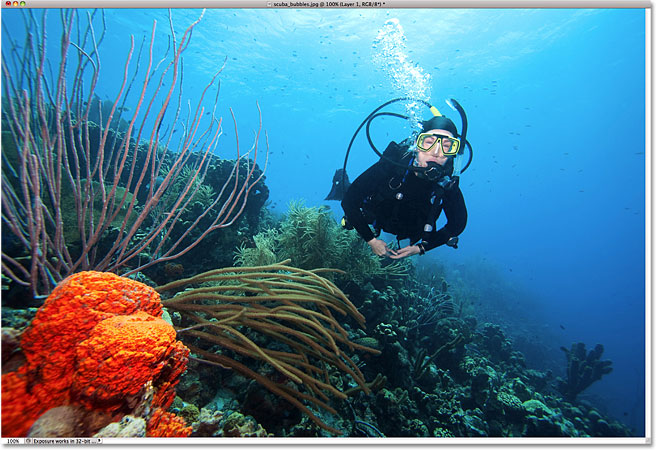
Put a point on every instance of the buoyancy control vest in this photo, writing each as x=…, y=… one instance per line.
x=406, y=205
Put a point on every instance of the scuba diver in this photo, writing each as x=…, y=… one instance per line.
x=405, y=192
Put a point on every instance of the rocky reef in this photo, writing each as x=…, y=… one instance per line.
x=441, y=371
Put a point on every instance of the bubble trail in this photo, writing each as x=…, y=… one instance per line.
x=408, y=78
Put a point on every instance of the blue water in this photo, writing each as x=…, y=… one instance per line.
x=556, y=106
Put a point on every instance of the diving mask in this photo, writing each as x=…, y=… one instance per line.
x=427, y=141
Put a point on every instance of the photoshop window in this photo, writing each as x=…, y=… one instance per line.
x=299, y=222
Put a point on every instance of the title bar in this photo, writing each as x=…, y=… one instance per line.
x=318, y=4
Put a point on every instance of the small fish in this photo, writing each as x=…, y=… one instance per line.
x=562, y=327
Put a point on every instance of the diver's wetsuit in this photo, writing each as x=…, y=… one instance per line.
x=372, y=199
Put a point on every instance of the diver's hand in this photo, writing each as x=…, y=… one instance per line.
x=405, y=252
x=380, y=248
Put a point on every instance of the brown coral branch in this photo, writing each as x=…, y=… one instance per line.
x=247, y=308
x=293, y=283
x=377, y=384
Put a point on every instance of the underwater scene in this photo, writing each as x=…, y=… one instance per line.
x=192, y=201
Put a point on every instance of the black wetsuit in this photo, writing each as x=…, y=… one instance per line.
x=373, y=198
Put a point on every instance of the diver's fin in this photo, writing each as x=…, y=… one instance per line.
x=340, y=184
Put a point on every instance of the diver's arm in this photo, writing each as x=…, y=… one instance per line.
x=362, y=187
x=456, y=219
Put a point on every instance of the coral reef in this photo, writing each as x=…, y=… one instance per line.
x=448, y=375
x=98, y=343
x=280, y=351
x=439, y=373
x=583, y=369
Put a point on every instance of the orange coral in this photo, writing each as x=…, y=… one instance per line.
x=166, y=424
x=69, y=314
x=96, y=341
x=20, y=408
x=122, y=354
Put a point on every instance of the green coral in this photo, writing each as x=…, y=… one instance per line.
x=442, y=432
x=264, y=252
x=190, y=413
x=311, y=238
x=537, y=408
x=308, y=236
x=520, y=390
x=510, y=403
